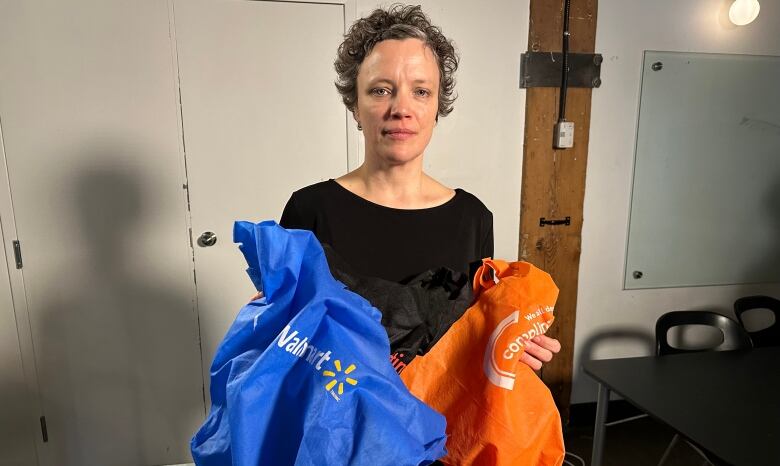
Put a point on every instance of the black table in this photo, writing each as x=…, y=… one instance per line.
x=726, y=402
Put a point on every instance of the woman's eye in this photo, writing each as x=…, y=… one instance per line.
x=380, y=91
x=422, y=92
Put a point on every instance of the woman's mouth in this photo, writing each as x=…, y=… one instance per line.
x=399, y=134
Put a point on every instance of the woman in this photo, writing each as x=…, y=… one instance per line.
x=388, y=218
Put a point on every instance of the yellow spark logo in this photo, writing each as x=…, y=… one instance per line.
x=329, y=386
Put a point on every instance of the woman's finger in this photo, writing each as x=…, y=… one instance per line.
x=550, y=344
x=537, y=352
x=530, y=361
x=257, y=295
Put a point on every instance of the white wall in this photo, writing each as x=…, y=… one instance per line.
x=612, y=322
x=479, y=146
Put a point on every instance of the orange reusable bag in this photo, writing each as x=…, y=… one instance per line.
x=498, y=411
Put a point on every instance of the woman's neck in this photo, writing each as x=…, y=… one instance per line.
x=399, y=186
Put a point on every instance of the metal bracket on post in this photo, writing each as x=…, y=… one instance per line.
x=543, y=69
x=565, y=221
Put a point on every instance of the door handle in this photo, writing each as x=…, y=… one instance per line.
x=207, y=238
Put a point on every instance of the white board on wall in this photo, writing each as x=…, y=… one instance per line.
x=705, y=207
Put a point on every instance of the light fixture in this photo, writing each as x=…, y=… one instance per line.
x=743, y=12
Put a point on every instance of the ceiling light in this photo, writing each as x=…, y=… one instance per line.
x=743, y=12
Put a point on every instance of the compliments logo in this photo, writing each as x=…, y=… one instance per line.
x=292, y=343
x=495, y=374
x=534, y=323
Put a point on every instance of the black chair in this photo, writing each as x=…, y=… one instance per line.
x=734, y=337
x=769, y=336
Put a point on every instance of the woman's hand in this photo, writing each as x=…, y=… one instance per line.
x=259, y=295
x=539, y=350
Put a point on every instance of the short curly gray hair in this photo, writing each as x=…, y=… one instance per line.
x=397, y=22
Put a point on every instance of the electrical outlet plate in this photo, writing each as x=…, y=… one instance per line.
x=564, y=135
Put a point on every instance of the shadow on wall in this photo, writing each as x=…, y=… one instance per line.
x=117, y=343
x=639, y=337
x=18, y=447
x=769, y=267
x=641, y=341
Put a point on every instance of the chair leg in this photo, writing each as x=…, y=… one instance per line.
x=675, y=439
x=701, y=453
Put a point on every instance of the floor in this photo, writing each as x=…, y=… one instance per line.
x=638, y=442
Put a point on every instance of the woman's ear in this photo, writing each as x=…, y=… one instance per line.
x=356, y=116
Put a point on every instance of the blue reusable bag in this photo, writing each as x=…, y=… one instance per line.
x=303, y=376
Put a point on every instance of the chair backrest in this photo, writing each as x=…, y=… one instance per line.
x=734, y=336
x=769, y=336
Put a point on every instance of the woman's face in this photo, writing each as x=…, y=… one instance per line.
x=398, y=89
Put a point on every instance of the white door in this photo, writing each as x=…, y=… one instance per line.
x=88, y=104
x=261, y=118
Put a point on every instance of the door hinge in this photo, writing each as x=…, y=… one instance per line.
x=44, y=432
x=18, y=253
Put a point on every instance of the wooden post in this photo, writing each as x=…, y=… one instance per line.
x=553, y=181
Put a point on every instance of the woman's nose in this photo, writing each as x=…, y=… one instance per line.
x=400, y=107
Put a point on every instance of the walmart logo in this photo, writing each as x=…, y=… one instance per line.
x=292, y=343
x=336, y=376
